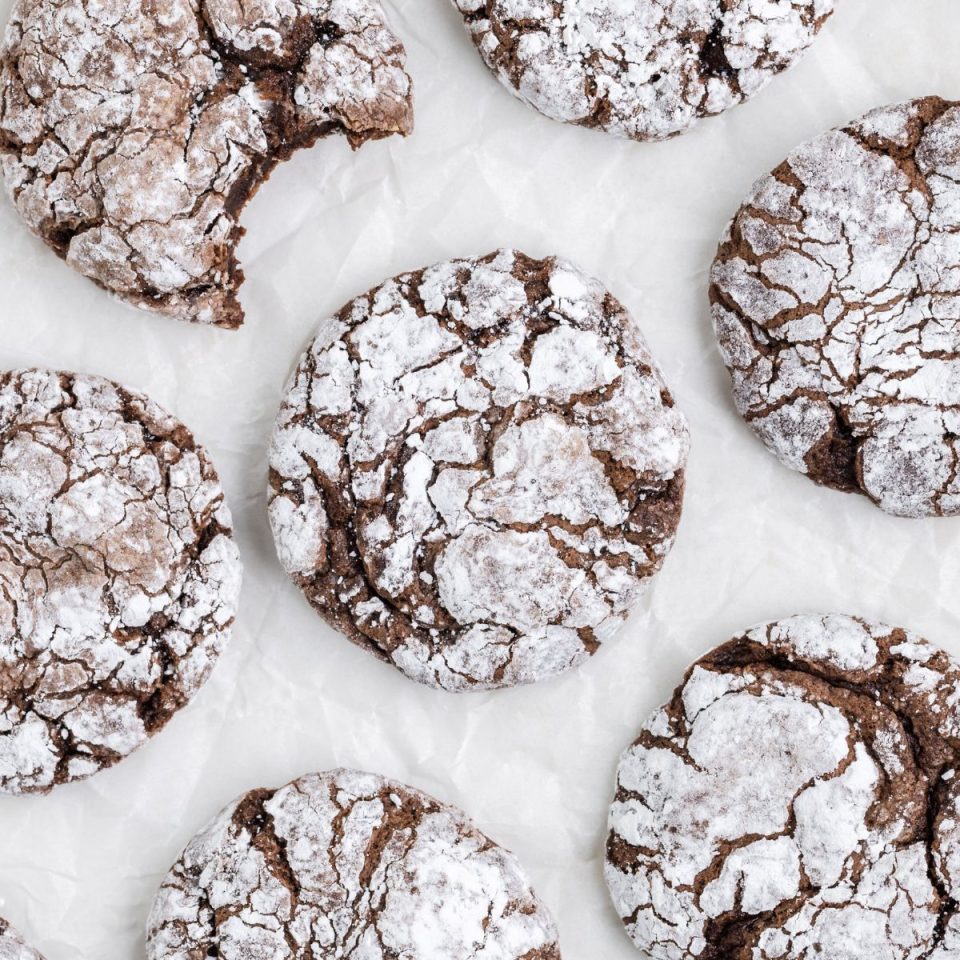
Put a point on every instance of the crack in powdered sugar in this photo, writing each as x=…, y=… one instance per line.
x=835, y=303
x=797, y=797
x=646, y=69
x=12, y=945
x=475, y=469
x=133, y=132
x=119, y=577
x=347, y=865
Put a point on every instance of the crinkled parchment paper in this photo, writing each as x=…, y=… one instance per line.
x=534, y=766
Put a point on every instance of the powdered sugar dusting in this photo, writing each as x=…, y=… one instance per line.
x=834, y=299
x=119, y=574
x=641, y=70
x=132, y=133
x=778, y=806
x=499, y=451
x=347, y=864
x=12, y=945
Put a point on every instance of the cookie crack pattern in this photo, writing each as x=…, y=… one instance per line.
x=836, y=301
x=647, y=70
x=13, y=946
x=476, y=468
x=133, y=134
x=119, y=577
x=797, y=797
x=347, y=865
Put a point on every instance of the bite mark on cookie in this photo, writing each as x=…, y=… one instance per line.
x=133, y=134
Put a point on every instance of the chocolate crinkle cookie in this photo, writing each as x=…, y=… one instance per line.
x=476, y=468
x=13, y=946
x=798, y=797
x=835, y=300
x=347, y=865
x=133, y=132
x=646, y=69
x=119, y=577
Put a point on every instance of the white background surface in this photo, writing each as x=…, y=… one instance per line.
x=534, y=766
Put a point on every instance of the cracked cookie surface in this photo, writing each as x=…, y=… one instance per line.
x=13, y=946
x=476, y=468
x=132, y=134
x=346, y=864
x=798, y=797
x=834, y=298
x=119, y=576
x=646, y=70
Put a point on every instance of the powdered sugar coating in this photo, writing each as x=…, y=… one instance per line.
x=347, y=864
x=645, y=70
x=475, y=469
x=13, y=946
x=119, y=577
x=796, y=798
x=835, y=303
x=133, y=132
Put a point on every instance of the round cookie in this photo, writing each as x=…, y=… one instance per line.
x=12, y=945
x=645, y=70
x=132, y=134
x=119, y=577
x=798, y=797
x=476, y=468
x=834, y=297
x=347, y=864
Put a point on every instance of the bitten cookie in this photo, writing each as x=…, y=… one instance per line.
x=476, y=468
x=798, y=796
x=346, y=864
x=132, y=134
x=835, y=300
x=12, y=946
x=119, y=577
x=646, y=70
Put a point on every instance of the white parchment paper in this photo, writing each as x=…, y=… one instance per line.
x=533, y=766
